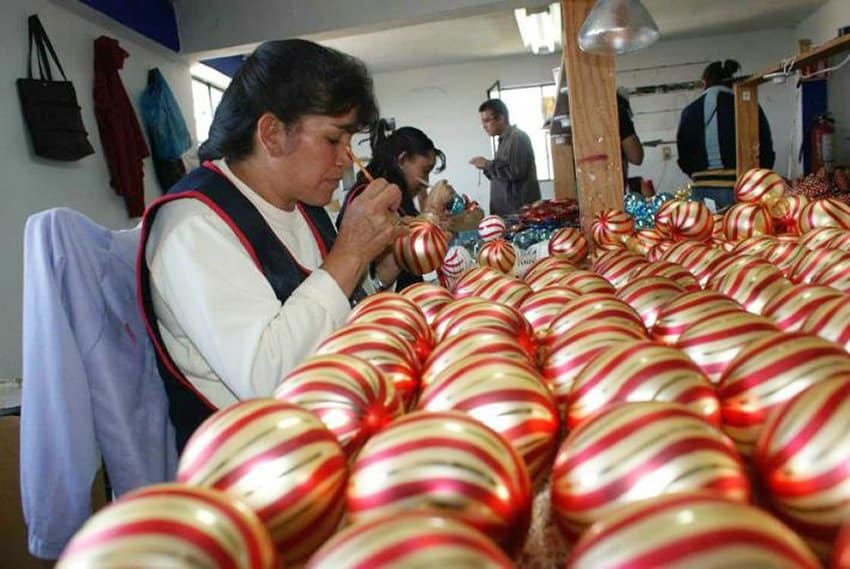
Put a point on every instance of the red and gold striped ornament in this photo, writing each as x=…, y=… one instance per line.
x=649, y=237
x=587, y=282
x=430, y=298
x=717, y=231
x=569, y=353
x=491, y=227
x=713, y=342
x=752, y=283
x=648, y=295
x=755, y=245
x=568, y=243
x=640, y=371
x=541, y=279
x=835, y=271
x=700, y=260
x=472, y=279
x=596, y=306
x=790, y=309
x=507, y=395
x=464, y=345
x=827, y=212
x=399, y=314
x=745, y=220
x=444, y=462
x=831, y=321
x=281, y=461
x=786, y=211
x=760, y=185
x=456, y=262
x=690, y=530
x=676, y=273
x=505, y=290
x=541, y=307
x=413, y=539
x=840, y=241
x=172, y=525
x=819, y=237
x=841, y=551
x=657, y=252
x=385, y=349
x=664, y=217
x=350, y=396
x=547, y=264
x=499, y=255
x=802, y=460
x=691, y=221
x=476, y=314
x=616, y=267
x=636, y=451
x=767, y=373
x=810, y=263
x=686, y=309
x=422, y=249
x=610, y=227
x=784, y=254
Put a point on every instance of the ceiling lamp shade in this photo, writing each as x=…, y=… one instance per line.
x=540, y=30
x=617, y=27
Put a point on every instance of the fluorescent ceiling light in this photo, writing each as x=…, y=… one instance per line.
x=540, y=30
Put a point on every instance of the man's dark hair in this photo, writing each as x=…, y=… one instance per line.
x=291, y=79
x=497, y=107
x=720, y=73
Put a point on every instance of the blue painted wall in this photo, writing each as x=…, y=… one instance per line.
x=227, y=65
x=154, y=19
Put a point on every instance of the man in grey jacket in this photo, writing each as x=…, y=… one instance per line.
x=512, y=173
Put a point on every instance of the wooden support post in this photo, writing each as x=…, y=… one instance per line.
x=593, y=113
x=747, y=127
x=563, y=167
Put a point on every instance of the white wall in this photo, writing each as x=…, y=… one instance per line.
x=31, y=184
x=443, y=101
x=820, y=27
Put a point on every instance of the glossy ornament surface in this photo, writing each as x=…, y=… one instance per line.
x=767, y=373
x=693, y=531
x=422, y=249
x=802, y=460
x=430, y=298
x=499, y=255
x=349, y=395
x=413, y=539
x=491, y=227
x=686, y=309
x=636, y=451
x=648, y=295
x=568, y=243
x=444, y=462
x=281, y=461
x=173, y=525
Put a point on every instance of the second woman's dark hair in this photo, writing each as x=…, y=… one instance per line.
x=289, y=78
x=387, y=145
x=720, y=73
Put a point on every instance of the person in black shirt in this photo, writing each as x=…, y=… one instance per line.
x=706, y=137
x=632, y=148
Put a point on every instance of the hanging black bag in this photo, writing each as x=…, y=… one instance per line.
x=50, y=107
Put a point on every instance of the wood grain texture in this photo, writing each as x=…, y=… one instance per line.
x=593, y=112
x=746, y=127
x=563, y=168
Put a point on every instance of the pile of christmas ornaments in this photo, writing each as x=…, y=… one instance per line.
x=643, y=209
x=676, y=403
x=538, y=221
x=823, y=184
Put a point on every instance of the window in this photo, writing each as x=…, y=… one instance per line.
x=206, y=98
x=526, y=106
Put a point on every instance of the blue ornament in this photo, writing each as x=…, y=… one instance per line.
x=455, y=205
x=632, y=201
x=661, y=198
x=523, y=239
x=645, y=222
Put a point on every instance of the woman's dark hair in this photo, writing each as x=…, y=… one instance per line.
x=388, y=144
x=289, y=78
x=720, y=73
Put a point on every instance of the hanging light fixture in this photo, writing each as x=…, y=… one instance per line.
x=617, y=26
x=540, y=30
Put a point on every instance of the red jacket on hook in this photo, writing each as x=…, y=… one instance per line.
x=120, y=134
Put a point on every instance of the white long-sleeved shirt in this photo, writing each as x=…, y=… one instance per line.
x=218, y=315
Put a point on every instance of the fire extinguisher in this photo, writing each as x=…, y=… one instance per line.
x=823, y=144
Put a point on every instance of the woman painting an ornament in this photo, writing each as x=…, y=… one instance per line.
x=706, y=137
x=405, y=157
x=241, y=271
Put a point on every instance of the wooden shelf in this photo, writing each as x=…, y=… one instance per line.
x=823, y=51
x=747, y=100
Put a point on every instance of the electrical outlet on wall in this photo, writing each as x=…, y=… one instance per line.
x=666, y=153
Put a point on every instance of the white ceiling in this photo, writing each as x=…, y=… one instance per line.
x=495, y=34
